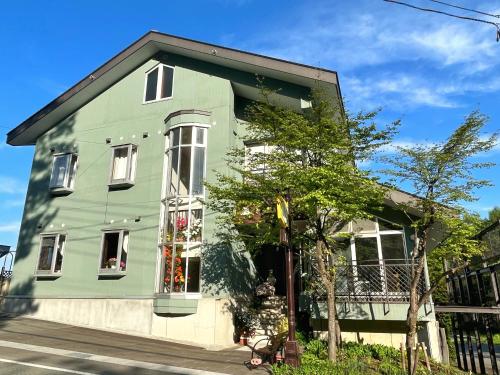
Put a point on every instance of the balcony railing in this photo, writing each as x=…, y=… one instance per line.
x=385, y=281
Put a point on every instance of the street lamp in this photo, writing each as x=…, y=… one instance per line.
x=285, y=220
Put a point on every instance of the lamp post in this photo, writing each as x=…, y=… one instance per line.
x=284, y=217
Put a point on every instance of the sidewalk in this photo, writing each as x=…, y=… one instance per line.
x=67, y=339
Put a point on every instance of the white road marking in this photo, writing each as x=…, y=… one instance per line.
x=110, y=360
x=46, y=367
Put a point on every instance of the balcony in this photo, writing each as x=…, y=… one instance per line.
x=378, y=281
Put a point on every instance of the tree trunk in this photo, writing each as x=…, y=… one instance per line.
x=411, y=333
x=329, y=285
x=332, y=324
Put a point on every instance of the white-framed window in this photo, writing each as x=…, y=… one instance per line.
x=159, y=83
x=51, y=254
x=123, y=165
x=183, y=226
x=62, y=178
x=374, y=241
x=114, y=251
x=253, y=151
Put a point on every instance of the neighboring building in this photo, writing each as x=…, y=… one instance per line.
x=115, y=234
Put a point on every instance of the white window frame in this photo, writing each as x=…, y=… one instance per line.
x=159, y=84
x=131, y=168
x=51, y=272
x=191, y=249
x=115, y=271
x=68, y=185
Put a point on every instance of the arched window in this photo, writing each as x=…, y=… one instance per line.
x=183, y=228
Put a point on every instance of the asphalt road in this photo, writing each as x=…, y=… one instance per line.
x=30, y=346
x=24, y=362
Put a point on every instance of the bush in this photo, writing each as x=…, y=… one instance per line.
x=383, y=353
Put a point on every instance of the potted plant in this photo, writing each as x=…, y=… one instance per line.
x=112, y=263
x=245, y=323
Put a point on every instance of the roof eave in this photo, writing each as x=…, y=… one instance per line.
x=139, y=51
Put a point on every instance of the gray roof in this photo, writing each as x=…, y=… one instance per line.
x=142, y=50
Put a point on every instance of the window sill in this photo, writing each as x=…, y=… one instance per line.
x=189, y=295
x=60, y=191
x=48, y=275
x=157, y=100
x=105, y=273
x=120, y=184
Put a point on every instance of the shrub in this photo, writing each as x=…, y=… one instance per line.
x=382, y=353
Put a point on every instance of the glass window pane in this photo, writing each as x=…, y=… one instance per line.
x=151, y=84
x=200, y=136
x=186, y=135
x=167, y=84
x=196, y=225
x=385, y=225
x=120, y=163
x=59, y=170
x=133, y=163
x=72, y=170
x=174, y=279
x=393, y=250
x=175, y=136
x=110, y=250
x=363, y=225
x=198, y=170
x=123, y=260
x=185, y=170
x=366, y=250
x=344, y=247
x=174, y=171
x=193, y=274
x=59, y=254
x=46, y=253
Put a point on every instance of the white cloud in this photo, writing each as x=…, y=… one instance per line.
x=13, y=203
x=12, y=227
x=369, y=37
x=397, y=91
x=10, y=185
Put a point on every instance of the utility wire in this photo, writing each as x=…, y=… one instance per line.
x=497, y=25
x=467, y=9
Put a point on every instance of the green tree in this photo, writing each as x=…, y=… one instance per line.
x=442, y=175
x=494, y=215
x=311, y=154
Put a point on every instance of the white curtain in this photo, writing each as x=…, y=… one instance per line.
x=120, y=164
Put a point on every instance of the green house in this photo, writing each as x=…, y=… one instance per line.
x=115, y=233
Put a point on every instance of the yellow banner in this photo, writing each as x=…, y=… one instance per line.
x=282, y=211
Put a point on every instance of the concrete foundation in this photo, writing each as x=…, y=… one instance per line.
x=210, y=327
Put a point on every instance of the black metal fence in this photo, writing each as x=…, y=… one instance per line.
x=475, y=299
x=6, y=262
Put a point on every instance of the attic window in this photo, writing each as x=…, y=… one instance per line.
x=159, y=83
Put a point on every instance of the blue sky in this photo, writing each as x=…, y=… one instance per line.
x=427, y=70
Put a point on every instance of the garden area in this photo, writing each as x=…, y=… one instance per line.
x=353, y=359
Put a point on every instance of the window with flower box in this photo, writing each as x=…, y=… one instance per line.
x=114, y=252
x=182, y=233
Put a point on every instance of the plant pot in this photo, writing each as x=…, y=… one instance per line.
x=244, y=340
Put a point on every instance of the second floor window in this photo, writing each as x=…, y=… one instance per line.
x=159, y=83
x=123, y=165
x=62, y=179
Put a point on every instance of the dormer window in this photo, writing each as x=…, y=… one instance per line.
x=62, y=179
x=159, y=83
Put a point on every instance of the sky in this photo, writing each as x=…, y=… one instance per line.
x=427, y=70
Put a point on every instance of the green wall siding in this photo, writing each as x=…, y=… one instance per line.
x=119, y=114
